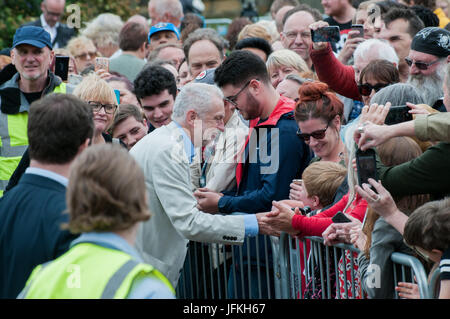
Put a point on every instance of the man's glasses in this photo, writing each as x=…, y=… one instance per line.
x=366, y=88
x=318, y=135
x=97, y=106
x=232, y=99
x=292, y=35
x=420, y=65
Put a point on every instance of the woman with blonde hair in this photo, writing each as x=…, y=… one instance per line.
x=254, y=31
x=283, y=62
x=101, y=97
x=106, y=201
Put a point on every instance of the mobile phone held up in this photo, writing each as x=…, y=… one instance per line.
x=340, y=217
x=366, y=165
x=101, y=63
x=62, y=67
x=360, y=29
x=398, y=114
x=326, y=34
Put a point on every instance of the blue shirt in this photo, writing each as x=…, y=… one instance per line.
x=142, y=288
x=250, y=221
x=49, y=174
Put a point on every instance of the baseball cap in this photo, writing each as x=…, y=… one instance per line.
x=163, y=26
x=32, y=35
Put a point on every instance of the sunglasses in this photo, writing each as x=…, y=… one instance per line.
x=366, y=88
x=420, y=65
x=318, y=135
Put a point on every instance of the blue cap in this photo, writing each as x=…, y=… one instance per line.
x=32, y=35
x=163, y=26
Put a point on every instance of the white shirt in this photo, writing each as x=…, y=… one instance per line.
x=52, y=30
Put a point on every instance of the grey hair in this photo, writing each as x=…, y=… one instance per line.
x=204, y=34
x=172, y=7
x=382, y=47
x=398, y=94
x=104, y=30
x=197, y=97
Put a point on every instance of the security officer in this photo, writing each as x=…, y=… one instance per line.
x=31, y=54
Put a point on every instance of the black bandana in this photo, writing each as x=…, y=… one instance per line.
x=432, y=40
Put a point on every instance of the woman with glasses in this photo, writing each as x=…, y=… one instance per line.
x=84, y=52
x=376, y=75
x=319, y=114
x=102, y=99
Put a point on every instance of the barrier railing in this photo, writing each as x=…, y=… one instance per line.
x=213, y=271
x=283, y=268
x=411, y=270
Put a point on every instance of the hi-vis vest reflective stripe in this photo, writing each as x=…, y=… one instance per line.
x=88, y=271
x=14, y=141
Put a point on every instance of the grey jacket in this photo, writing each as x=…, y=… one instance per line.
x=162, y=240
x=385, y=240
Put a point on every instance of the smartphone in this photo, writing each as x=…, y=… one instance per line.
x=102, y=63
x=340, y=217
x=298, y=181
x=366, y=165
x=62, y=67
x=117, y=93
x=360, y=28
x=398, y=114
x=326, y=34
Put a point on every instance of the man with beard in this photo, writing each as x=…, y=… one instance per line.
x=429, y=54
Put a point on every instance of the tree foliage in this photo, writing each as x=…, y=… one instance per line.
x=15, y=13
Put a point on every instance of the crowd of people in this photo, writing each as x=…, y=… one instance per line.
x=187, y=135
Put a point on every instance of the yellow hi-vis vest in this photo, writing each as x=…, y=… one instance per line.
x=88, y=271
x=14, y=141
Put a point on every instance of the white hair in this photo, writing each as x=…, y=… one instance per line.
x=197, y=97
x=379, y=49
x=172, y=7
x=104, y=29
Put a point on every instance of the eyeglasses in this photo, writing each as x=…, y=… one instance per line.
x=97, y=106
x=292, y=35
x=420, y=65
x=86, y=55
x=318, y=135
x=419, y=251
x=232, y=99
x=366, y=88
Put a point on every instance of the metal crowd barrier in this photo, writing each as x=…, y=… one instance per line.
x=283, y=268
x=315, y=271
x=411, y=270
x=213, y=271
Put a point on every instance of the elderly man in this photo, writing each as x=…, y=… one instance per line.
x=165, y=11
x=52, y=11
x=203, y=50
x=296, y=35
x=427, y=60
x=31, y=55
x=165, y=157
